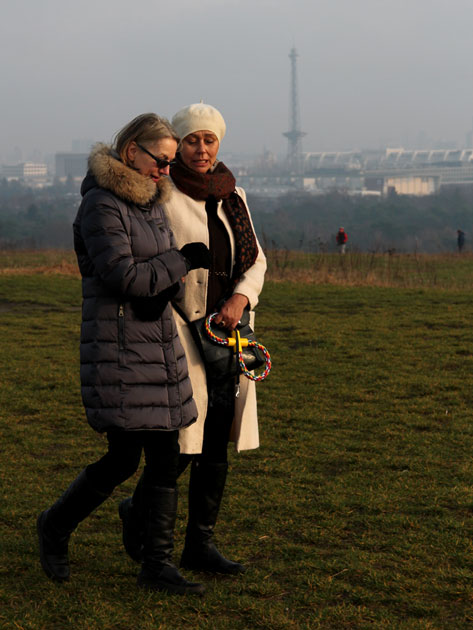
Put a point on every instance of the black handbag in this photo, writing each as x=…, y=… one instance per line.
x=221, y=362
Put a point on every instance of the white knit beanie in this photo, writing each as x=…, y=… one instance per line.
x=199, y=117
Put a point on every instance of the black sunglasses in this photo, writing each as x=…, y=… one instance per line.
x=159, y=161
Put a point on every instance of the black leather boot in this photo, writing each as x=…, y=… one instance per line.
x=131, y=514
x=207, y=482
x=56, y=524
x=158, y=573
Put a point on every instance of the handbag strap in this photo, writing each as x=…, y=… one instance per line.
x=194, y=333
x=179, y=310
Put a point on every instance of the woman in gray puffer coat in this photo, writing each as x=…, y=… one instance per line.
x=134, y=377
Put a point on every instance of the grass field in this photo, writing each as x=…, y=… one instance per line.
x=355, y=513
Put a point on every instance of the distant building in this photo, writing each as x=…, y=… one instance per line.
x=25, y=170
x=406, y=172
x=411, y=185
x=421, y=172
x=70, y=165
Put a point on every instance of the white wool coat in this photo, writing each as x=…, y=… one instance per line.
x=188, y=221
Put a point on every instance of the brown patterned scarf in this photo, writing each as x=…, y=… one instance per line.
x=220, y=184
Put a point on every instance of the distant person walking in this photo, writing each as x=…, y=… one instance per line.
x=460, y=240
x=341, y=239
x=134, y=375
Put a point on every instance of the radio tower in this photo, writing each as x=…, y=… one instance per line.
x=294, y=150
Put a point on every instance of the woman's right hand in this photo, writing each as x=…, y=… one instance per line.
x=197, y=255
x=231, y=311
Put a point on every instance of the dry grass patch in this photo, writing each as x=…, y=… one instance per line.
x=448, y=271
x=356, y=269
x=41, y=262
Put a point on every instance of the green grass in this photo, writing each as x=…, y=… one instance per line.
x=356, y=511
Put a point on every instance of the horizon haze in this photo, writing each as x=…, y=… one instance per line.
x=370, y=74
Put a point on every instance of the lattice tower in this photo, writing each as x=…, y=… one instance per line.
x=294, y=151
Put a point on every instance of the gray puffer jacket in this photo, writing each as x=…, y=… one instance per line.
x=133, y=368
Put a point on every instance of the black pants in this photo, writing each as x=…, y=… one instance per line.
x=161, y=449
x=218, y=422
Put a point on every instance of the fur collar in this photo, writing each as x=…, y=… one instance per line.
x=124, y=182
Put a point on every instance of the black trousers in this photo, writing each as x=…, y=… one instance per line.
x=163, y=464
x=161, y=449
x=218, y=422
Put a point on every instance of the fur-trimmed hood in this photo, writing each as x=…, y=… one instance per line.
x=108, y=171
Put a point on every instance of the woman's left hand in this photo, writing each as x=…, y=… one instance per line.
x=231, y=312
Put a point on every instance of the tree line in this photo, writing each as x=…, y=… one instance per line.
x=42, y=218
x=395, y=223
x=37, y=218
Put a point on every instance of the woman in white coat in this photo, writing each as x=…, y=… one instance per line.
x=206, y=206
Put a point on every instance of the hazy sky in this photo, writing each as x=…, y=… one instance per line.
x=370, y=72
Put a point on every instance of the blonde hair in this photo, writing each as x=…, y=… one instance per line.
x=144, y=129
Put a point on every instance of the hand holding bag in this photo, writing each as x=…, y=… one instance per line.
x=221, y=362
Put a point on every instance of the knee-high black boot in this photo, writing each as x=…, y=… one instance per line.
x=132, y=516
x=158, y=571
x=207, y=482
x=56, y=524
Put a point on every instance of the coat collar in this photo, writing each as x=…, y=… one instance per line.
x=110, y=173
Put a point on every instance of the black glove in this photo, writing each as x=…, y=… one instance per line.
x=149, y=309
x=197, y=255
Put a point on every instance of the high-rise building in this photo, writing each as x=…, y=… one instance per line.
x=71, y=164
